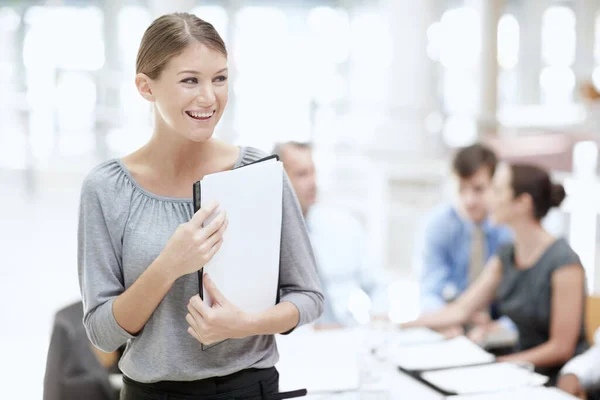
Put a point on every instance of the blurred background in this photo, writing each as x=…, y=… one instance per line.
x=385, y=90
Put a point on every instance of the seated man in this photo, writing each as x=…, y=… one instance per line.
x=459, y=238
x=339, y=245
x=75, y=369
x=581, y=376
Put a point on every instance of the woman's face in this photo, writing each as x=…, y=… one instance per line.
x=503, y=208
x=191, y=92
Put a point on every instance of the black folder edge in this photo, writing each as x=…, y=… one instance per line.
x=417, y=374
x=197, y=199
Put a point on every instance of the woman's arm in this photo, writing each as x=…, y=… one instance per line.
x=565, y=320
x=223, y=320
x=476, y=297
x=279, y=319
x=113, y=315
x=299, y=281
x=133, y=308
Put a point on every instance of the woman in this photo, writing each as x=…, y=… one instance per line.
x=537, y=281
x=140, y=243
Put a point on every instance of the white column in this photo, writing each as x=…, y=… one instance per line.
x=490, y=12
x=413, y=86
x=109, y=79
x=585, y=191
x=530, y=50
x=226, y=129
x=585, y=11
x=401, y=141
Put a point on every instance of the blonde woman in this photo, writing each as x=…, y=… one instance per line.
x=140, y=242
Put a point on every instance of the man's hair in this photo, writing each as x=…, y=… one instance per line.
x=279, y=147
x=471, y=159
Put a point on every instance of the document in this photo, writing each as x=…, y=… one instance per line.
x=456, y=352
x=246, y=268
x=321, y=362
x=404, y=337
x=483, y=378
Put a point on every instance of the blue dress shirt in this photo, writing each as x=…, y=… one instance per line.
x=444, y=254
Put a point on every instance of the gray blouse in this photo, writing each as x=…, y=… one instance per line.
x=122, y=229
x=525, y=296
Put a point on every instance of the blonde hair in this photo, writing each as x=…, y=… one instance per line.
x=168, y=36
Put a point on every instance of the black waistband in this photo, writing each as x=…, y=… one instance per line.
x=234, y=381
x=237, y=379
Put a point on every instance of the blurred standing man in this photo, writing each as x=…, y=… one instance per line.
x=339, y=244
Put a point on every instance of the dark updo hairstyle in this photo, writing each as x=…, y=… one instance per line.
x=536, y=182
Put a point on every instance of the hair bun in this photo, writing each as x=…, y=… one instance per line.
x=557, y=194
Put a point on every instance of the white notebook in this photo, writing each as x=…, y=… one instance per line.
x=456, y=352
x=321, y=362
x=246, y=268
x=484, y=378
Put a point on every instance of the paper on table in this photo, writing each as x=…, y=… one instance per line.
x=484, y=378
x=456, y=352
x=246, y=268
x=541, y=393
x=415, y=336
x=322, y=362
x=404, y=337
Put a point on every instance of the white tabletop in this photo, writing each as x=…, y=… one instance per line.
x=310, y=359
x=324, y=360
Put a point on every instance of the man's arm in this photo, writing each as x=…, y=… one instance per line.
x=586, y=366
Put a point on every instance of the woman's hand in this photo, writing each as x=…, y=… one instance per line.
x=570, y=383
x=221, y=321
x=192, y=246
x=478, y=334
x=483, y=326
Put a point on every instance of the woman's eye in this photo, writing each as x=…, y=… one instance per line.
x=221, y=78
x=190, y=80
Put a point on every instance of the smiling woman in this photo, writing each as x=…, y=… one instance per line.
x=170, y=50
x=140, y=242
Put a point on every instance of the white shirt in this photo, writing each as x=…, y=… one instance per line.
x=339, y=244
x=586, y=366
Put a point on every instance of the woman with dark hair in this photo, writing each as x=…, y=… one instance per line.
x=537, y=281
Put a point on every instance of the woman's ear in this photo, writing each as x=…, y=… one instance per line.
x=525, y=201
x=144, y=86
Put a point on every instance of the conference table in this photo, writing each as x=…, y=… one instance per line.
x=341, y=365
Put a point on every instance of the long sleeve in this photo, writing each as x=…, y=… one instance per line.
x=434, y=267
x=99, y=264
x=299, y=282
x=586, y=366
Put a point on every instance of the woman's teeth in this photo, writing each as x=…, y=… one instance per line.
x=199, y=115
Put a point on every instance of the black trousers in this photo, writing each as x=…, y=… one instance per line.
x=250, y=384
